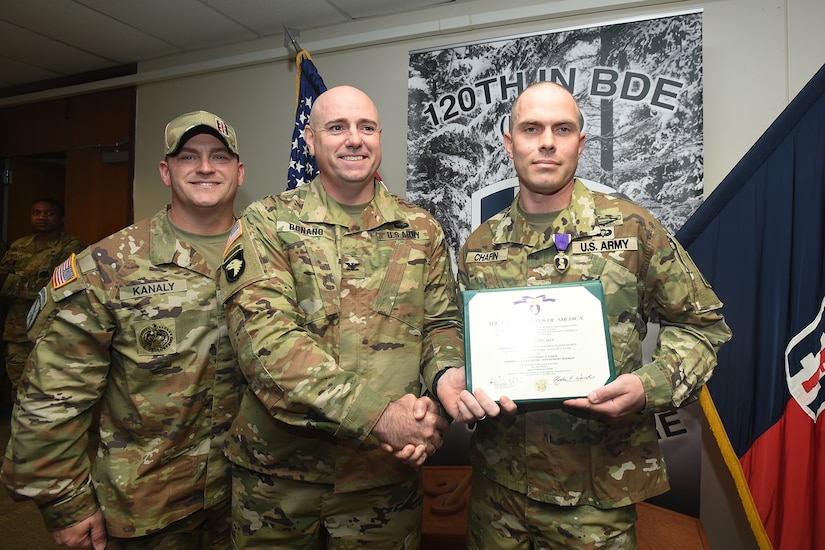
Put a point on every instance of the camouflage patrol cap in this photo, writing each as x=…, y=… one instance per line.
x=179, y=130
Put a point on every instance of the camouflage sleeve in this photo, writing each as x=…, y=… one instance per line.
x=6, y=264
x=691, y=327
x=16, y=285
x=25, y=284
x=43, y=273
x=443, y=327
x=296, y=379
x=46, y=459
x=75, y=246
x=10, y=279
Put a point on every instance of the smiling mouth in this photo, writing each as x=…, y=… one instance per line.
x=354, y=157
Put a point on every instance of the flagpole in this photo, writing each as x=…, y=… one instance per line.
x=289, y=40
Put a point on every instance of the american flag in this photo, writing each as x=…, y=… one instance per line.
x=65, y=273
x=302, y=165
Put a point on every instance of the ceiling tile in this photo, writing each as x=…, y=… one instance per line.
x=14, y=72
x=267, y=16
x=86, y=29
x=27, y=47
x=369, y=8
x=44, y=39
x=186, y=24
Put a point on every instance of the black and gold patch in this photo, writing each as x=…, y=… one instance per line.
x=234, y=265
x=156, y=337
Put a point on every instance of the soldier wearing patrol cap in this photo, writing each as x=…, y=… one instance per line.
x=567, y=475
x=133, y=323
x=340, y=297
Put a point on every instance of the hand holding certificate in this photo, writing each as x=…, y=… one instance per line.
x=537, y=343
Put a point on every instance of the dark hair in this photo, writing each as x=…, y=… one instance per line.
x=53, y=202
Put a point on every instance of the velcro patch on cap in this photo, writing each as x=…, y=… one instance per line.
x=65, y=273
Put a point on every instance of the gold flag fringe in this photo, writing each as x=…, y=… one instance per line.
x=735, y=467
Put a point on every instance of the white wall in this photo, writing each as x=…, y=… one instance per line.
x=757, y=55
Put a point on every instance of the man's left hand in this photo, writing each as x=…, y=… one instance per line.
x=624, y=395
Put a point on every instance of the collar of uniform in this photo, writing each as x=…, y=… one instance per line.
x=583, y=211
x=162, y=238
x=509, y=227
x=316, y=209
x=164, y=248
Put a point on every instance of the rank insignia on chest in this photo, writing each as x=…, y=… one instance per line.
x=352, y=266
x=234, y=265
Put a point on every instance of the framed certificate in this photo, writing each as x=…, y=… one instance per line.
x=537, y=343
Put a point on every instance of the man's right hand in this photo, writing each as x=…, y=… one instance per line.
x=89, y=533
x=403, y=426
x=468, y=407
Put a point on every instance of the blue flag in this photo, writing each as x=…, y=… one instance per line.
x=302, y=165
x=760, y=238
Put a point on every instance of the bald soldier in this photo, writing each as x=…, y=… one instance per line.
x=568, y=475
x=133, y=324
x=340, y=297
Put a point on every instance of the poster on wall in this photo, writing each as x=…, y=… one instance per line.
x=638, y=84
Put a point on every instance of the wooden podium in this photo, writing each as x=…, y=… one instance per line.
x=445, y=529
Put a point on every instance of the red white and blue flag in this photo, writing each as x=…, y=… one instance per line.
x=760, y=239
x=309, y=85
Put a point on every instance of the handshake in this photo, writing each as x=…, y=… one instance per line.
x=412, y=428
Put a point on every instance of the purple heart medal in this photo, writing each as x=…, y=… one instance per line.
x=561, y=261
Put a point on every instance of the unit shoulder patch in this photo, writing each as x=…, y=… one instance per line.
x=234, y=265
x=36, y=308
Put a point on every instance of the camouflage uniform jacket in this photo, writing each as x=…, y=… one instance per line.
x=332, y=319
x=133, y=321
x=29, y=264
x=571, y=458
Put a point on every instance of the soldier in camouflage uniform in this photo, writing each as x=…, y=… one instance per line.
x=25, y=269
x=133, y=322
x=568, y=475
x=339, y=298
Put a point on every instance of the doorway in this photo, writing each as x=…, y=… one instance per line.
x=77, y=150
x=26, y=180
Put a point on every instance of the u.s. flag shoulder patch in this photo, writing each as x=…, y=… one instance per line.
x=234, y=235
x=65, y=273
